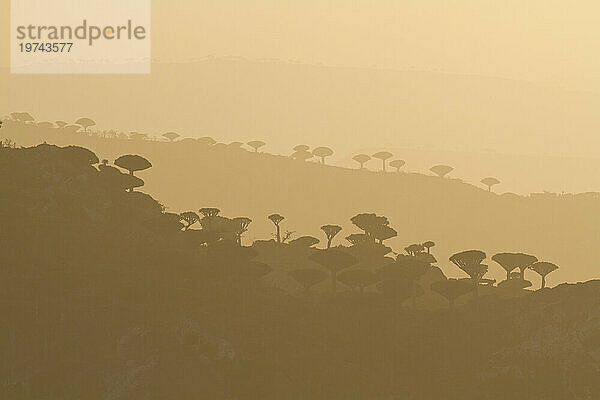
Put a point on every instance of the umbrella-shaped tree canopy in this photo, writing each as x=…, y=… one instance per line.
x=301, y=147
x=85, y=123
x=543, y=268
x=206, y=141
x=470, y=262
x=256, y=144
x=383, y=156
x=302, y=155
x=133, y=163
x=361, y=159
x=428, y=245
x=489, y=182
x=304, y=241
x=171, y=136
x=322, y=152
x=397, y=164
x=512, y=261
x=441, y=170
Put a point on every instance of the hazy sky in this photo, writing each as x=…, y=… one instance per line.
x=548, y=41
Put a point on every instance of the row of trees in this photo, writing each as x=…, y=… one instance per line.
x=397, y=275
x=300, y=152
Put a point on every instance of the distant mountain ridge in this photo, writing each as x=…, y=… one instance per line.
x=286, y=104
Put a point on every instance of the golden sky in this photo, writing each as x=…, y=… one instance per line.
x=548, y=41
x=551, y=42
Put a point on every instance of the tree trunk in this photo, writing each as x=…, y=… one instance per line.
x=278, y=234
x=329, y=239
x=543, y=281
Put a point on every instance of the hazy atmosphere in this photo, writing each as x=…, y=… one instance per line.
x=429, y=79
x=322, y=200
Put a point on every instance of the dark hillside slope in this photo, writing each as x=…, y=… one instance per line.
x=103, y=296
x=455, y=215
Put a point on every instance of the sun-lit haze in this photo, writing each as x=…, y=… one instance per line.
x=485, y=77
x=550, y=42
x=305, y=199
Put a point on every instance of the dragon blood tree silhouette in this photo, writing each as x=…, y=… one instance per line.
x=256, y=144
x=330, y=232
x=452, y=289
x=304, y=241
x=308, y=277
x=189, y=218
x=85, y=123
x=322, y=152
x=397, y=164
x=543, y=268
x=441, y=170
x=357, y=278
x=361, y=159
x=206, y=141
x=489, y=182
x=414, y=249
x=512, y=261
x=374, y=226
x=209, y=214
x=132, y=163
x=470, y=262
x=334, y=261
x=276, y=220
x=138, y=136
x=240, y=226
x=383, y=156
x=24, y=117
x=170, y=136
x=428, y=245
x=302, y=153
x=45, y=125
x=383, y=232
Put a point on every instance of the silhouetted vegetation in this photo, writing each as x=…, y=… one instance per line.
x=106, y=294
x=441, y=170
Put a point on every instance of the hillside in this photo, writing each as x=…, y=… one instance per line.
x=455, y=215
x=549, y=134
x=105, y=296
